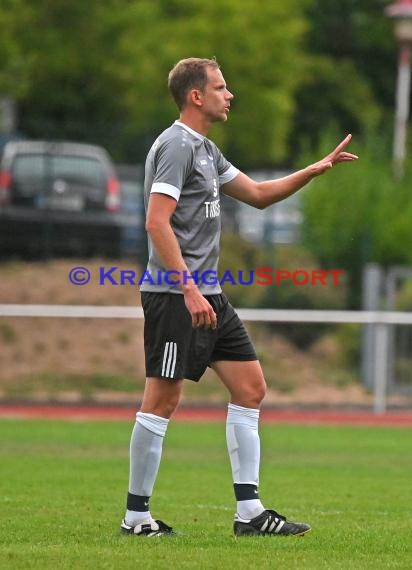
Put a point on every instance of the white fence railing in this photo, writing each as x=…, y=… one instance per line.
x=380, y=319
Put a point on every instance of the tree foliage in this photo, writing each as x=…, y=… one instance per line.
x=97, y=70
x=351, y=83
x=359, y=213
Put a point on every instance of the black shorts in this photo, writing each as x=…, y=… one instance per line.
x=174, y=349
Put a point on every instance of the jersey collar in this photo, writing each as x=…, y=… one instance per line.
x=194, y=133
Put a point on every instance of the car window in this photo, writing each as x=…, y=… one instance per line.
x=28, y=166
x=132, y=196
x=131, y=191
x=66, y=167
x=75, y=166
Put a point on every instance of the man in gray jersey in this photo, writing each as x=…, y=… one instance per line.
x=189, y=324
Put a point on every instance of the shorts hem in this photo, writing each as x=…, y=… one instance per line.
x=148, y=375
x=234, y=358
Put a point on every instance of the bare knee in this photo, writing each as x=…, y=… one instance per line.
x=249, y=395
x=244, y=380
x=161, y=397
x=252, y=395
x=260, y=391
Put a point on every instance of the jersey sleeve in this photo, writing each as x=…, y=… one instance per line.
x=173, y=162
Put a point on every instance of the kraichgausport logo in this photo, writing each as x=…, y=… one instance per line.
x=264, y=276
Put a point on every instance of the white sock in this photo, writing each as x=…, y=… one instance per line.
x=249, y=509
x=244, y=451
x=133, y=518
x=145, y=453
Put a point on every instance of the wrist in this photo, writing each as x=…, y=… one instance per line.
x=188, y=287
x=312, y=171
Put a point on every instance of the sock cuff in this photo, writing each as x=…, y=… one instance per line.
x=153, y=423
x=240, y=415
x=246, y=491
x=137, y=503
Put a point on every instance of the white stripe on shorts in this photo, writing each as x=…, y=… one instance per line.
x=169, y=360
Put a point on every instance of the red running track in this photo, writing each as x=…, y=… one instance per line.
x=113, y=413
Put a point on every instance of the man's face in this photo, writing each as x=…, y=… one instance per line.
x=216, y=98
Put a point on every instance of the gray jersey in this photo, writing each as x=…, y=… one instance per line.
x=190, y=168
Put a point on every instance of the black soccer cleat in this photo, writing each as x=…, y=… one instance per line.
x=153, y=528
x=269, y=523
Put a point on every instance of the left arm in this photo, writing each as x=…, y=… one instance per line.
x=263, y=194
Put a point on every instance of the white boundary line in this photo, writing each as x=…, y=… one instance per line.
x=252, y=315
x=71, y=311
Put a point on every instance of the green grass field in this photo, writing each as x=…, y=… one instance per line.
x=63, y=487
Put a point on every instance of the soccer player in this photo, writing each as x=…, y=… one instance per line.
x=190, y=325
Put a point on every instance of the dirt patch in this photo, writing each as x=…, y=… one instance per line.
x=67, y=357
